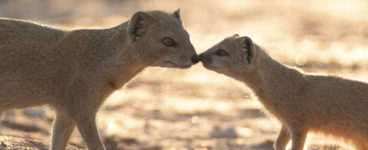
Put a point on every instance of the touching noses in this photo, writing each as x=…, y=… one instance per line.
x=204, y=58
x=201, y=57
x=195, y=59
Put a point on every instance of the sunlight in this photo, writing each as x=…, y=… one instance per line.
x=178, y=109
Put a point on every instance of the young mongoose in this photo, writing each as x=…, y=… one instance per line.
x=74, y=71
x=301, y=102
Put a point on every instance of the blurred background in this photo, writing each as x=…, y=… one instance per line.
x=195, y=109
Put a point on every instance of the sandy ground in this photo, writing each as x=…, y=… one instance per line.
x=195, y=109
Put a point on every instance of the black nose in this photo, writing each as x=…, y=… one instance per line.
x=201, y=56
x=195, y=59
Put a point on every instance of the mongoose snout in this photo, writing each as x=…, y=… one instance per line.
x=203, y=58
x=195, y=59
x=200, y=57
x=206, y=61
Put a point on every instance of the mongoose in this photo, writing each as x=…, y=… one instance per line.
x=73, y=71
x=302, y=102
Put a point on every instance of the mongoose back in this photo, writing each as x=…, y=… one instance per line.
x=301, y=102
x=74, y=71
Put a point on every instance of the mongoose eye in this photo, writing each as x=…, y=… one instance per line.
x=221, y=52
x=169, y=42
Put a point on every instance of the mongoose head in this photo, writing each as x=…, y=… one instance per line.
x=231, y=56
x=159, y=39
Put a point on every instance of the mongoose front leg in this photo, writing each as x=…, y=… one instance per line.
x=87, y=127
x=62, y=129
x=282, y=139
x=298, y=138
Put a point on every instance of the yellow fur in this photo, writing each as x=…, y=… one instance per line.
x=302, y=102
x=74, y=71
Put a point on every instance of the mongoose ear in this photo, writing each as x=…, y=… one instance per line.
x=177, y=14
x=236, y=35
x=139, y=24
x=247, y=48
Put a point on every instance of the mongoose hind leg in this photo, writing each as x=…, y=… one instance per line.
x=282, y=139
x=62, y=129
